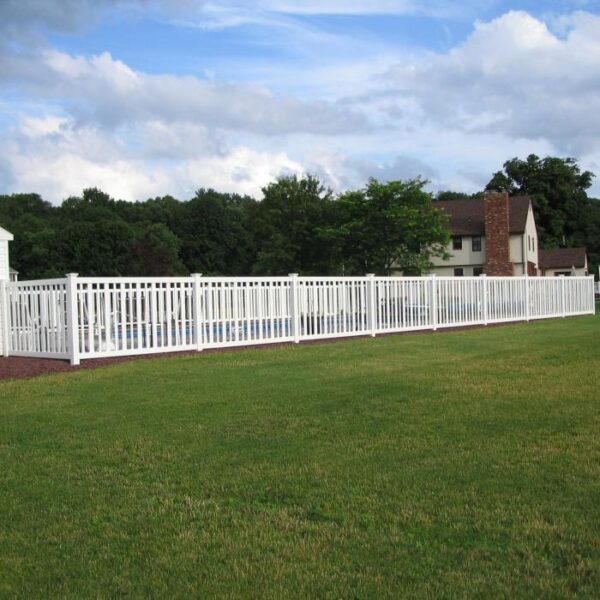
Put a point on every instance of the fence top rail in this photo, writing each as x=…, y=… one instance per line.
x=560, y=278
x=126, y=280
x=248, y=279
x=34, y=283
x=185, y=279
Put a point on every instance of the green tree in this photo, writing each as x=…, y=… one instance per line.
x=95, y=248
x=449, y=195
x=154, y=251
x=33, y=223
x=391, y=226
x=290, y=228
x=559, y=191
x=214, y=235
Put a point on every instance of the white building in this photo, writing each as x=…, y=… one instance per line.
x=564, y=261
x=495, y=235
x=5, y=237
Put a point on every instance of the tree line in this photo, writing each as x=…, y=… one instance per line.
x=298, y=225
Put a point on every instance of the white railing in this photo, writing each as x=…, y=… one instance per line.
x=35, y=318
x=85, y=317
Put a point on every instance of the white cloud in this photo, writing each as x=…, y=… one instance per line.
x=513, y=76
x=56, y=159
x=373, y=7
x=107, y=92
x=514, y=86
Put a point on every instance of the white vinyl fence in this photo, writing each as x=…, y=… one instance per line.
x=85, y=317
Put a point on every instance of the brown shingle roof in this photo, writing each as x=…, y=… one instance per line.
x=467, y=216
x=558, y=258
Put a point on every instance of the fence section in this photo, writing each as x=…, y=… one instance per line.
x=403, y=304
x=242, y=311
x=332, y=306
x=123, y=316
x=35, y=314
x=79, y=318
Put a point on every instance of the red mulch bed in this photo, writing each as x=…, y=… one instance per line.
x=17, y=367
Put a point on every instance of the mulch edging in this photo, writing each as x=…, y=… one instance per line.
x=17, y=367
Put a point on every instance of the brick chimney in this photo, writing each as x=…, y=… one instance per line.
x=497, y=235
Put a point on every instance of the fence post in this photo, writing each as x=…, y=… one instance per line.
x=4, y=309
x=198, y=321
x=562, y=295
x=371, y=308
x=434, y=308
x=527, y=307
x=72, y=319
x=485, y=298
x=294, y=308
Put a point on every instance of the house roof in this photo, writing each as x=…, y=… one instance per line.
x=558, y=258
x=467, y=217
x=5, y=235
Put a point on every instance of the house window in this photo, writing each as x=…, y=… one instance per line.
x=533, y=244
x=458, y=272
x=457, y=242
x=477, y=271
x=476, y=243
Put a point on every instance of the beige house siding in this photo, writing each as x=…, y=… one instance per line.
x=449, y=271
x=525, y=245
x=460, y=258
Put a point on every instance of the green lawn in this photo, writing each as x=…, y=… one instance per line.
x=443, y=465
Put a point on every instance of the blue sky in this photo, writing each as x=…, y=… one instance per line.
x=148, y=97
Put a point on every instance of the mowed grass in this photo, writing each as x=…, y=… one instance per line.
x=449, y=465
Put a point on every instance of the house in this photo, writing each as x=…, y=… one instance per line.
x=495, y=235
x=5, y=237
x=564, y=261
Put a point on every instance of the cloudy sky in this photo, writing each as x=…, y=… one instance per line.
x=148, y=97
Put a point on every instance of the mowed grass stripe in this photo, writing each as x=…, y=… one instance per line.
x=451, y=464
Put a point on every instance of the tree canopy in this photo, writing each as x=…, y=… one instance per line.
x=390, y=226
x=298, y=225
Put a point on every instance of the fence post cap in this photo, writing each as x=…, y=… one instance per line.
x=72, y=274
x=370, y=275
x=292, y=274
x=196, y=274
